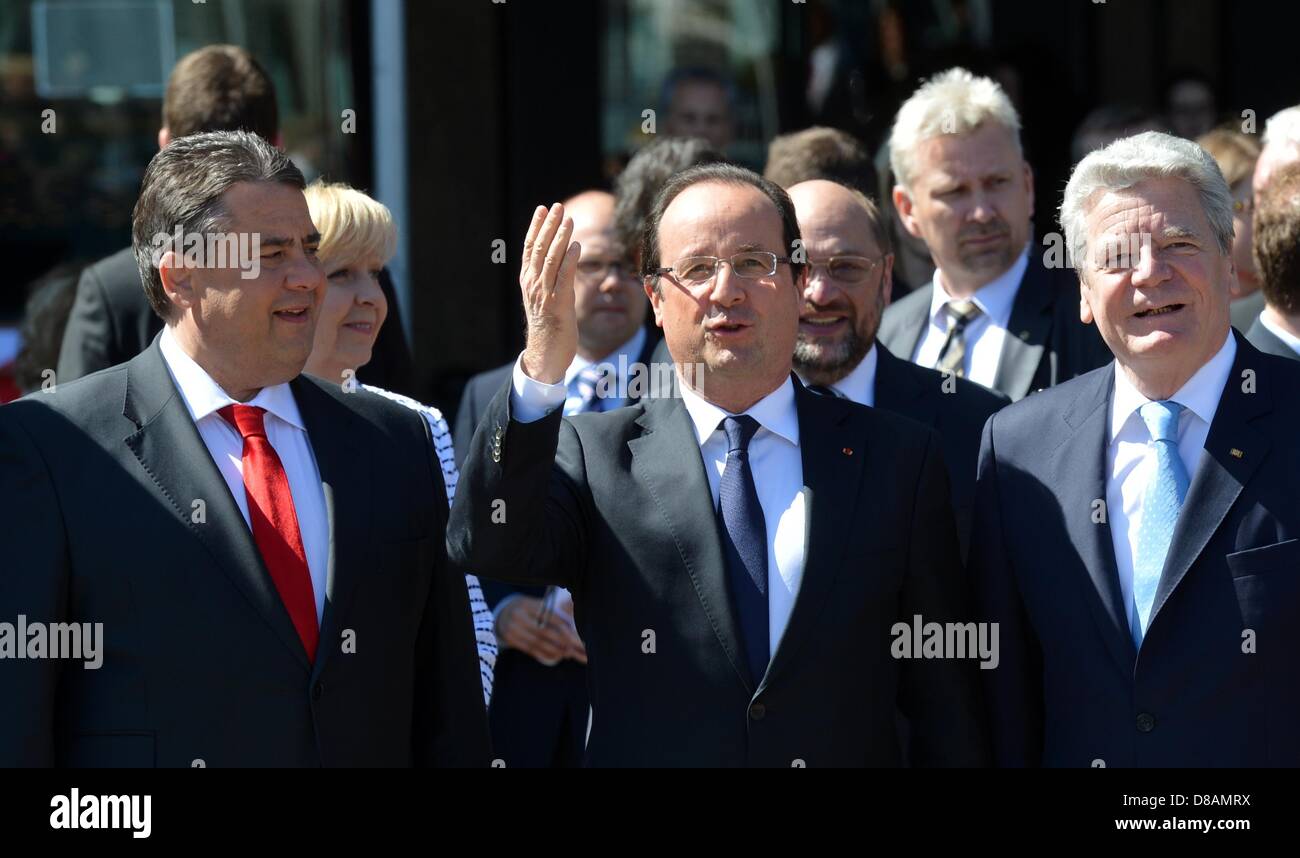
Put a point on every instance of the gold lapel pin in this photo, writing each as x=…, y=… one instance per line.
x=1236, y=454
x=848, y=451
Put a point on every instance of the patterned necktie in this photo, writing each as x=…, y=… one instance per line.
x=1161, y=501
x=275, y=522
x=587, y=381
x=952, y=357
x=744, y=543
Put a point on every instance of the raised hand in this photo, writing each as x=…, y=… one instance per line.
x=550, y=262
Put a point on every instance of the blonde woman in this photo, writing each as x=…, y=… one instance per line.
x=358, y=237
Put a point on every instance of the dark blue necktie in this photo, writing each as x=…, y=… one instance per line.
x=744, y=543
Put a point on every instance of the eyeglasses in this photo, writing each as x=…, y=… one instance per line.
x=845, y=269
x=596, y=270
x=752, y=265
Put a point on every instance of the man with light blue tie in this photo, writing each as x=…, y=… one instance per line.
x=1137, y=532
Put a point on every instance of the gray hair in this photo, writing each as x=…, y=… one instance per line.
x=1129, y=160
x=1283, y=128
x=183, y=186
x=952, y=102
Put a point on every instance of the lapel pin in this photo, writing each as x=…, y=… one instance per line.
x=1236, y=454
x=848, y=451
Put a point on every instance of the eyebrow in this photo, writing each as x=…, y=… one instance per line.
x=1178, y=232
x=284, y=241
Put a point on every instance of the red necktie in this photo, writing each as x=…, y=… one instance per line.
x=274, y=521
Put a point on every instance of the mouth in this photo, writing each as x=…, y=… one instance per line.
x=726, y=329
x=822, y=324
x=360, y=327
x=294, y=315
x=985, y=240
x=1153, y=312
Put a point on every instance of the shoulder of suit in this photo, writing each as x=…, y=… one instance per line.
x=491, y=379
x=918, y=298
x=1035, y=414
x=90, y=406
x=381, y=411
x=119, y=278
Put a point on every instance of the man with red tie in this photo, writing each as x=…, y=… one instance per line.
x=263, y=553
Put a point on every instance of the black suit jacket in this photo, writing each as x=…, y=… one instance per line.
x=1268, y=342
x=955, y=408
x=1071, y=688
x=201, y=661
x=111, y=322
x=617, y=508
x=1045, y=345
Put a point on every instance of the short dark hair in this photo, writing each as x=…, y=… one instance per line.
x=726, y=174
x=645, y=174
x=220, y=88
x=183, y=186
x=820, y=153
x=1277, y=240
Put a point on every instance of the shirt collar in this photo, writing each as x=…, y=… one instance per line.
x=775, y=412
x=995, y=298
x=860, y=384
x=1284, y=335
x=1200, y=395
x=203, y=396
x=630, y=351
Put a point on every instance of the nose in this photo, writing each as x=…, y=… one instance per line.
x=370, y=294
x=1148, y=268
x=820, y=288
x=305, y=275
x=727, y=289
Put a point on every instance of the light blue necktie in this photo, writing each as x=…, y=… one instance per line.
x=1161, y=501
x=587, y=381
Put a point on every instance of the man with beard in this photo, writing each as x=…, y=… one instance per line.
x=850, y=268
x=993, y=313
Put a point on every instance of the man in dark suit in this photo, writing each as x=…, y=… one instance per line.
x=1136, y=533
x=216, y=88
x=739, y=549
x=992, y=313
x=539, y=703
x=1277, y=256
x=263, y=553
x=850, y=264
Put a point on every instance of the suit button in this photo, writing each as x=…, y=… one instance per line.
x=317, y=690
x=1146, y=723
x=758, y=711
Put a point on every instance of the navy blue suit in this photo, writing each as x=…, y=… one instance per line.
x=1071, y=688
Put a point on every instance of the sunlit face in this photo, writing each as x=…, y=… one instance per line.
x=256, y=332
x=742, y=330
x=608, y=298
x=971, y=200
x=1163, y=310
x=352, y=312
x=700, y=109
x=839, y=319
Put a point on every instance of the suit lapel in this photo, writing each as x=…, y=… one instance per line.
x=666, y=458
x=831, y=478
x=173, y=455
x=1027, y=332
x=1079, y=469
x=916, y=323
x=1221, y=475
x=345, y=474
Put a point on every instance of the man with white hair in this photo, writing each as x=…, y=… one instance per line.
x=1281, y=148
x=1137, y=534
x=993, y=312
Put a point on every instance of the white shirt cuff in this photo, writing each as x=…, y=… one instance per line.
x=532, y=400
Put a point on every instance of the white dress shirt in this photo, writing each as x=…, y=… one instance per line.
x=985, y=333
x=285, y=432
x=774, y=461
x=1281, y=333
x=1131, y=454
x=621, y=359
x=860, y=385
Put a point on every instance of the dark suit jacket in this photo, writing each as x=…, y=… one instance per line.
x=112, y=322
x=1268, y=342
x=201, y=660
x=1071, y=688
x=956, y=410
x=1046, y=343
x=617, y=508
x=539, y=712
